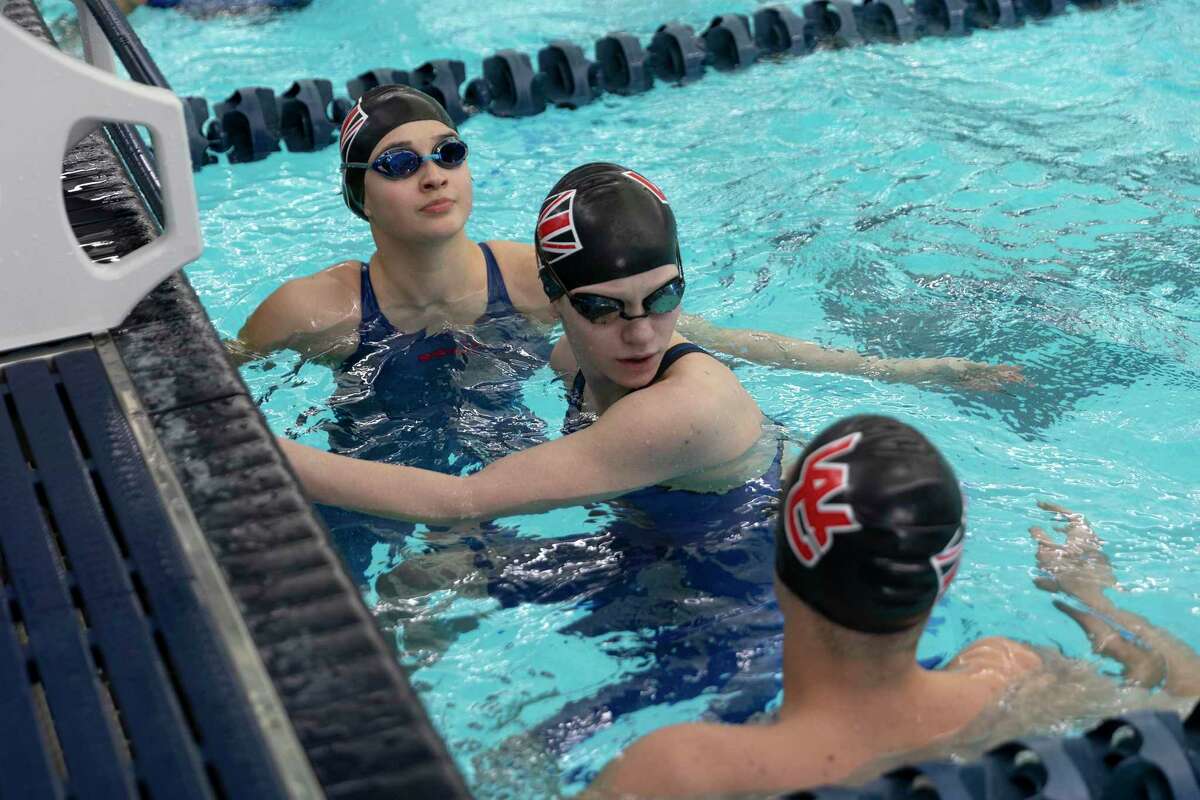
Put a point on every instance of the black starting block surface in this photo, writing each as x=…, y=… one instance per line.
x=116, y=679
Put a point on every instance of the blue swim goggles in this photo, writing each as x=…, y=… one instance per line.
x=398, y=163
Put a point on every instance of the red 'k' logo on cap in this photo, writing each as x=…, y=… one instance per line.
x=809, y=519
x=946, y=562
x=556, y=233
x=657, y=192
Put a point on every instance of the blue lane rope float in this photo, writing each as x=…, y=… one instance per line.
x=252, y=122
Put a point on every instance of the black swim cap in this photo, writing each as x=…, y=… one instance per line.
x=871, y=529
x=600, y=222
x=376, y=113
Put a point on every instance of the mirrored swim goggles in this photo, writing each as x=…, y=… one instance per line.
x=398, y=163
x=598, y=309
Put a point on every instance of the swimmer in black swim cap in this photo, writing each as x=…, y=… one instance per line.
x=870, y=535
x=605, y=232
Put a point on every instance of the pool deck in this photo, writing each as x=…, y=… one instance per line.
x=173, y=614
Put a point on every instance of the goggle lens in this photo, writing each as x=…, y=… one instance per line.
x=596, y=307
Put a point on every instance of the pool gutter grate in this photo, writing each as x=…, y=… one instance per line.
x=166, y=389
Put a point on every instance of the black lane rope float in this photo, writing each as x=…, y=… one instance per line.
x=1142, y=754
x=252, y=122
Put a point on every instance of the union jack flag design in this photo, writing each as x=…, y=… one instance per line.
x=657, y=192
x=351, y=125
x=556, y=234
x=945, y=563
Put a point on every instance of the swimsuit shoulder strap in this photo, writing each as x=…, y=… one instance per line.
x=373, y=325
x=370, y=304
x=575, y=420
x=575, y=398
x=675, y=353
x=498, y=299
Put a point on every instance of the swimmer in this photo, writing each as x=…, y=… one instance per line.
x=870, y=536
x=654, y=421
x=650, y=410
x=206, y=8
x=405, y=171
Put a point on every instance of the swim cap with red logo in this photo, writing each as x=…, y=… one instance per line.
x=376, y=113
x=871, y=527
x=603, y=221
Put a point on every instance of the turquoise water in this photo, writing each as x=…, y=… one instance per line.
x=1023, y=196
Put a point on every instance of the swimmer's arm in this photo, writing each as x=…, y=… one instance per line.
x=1080, y=569
x=643, y=439
x=775, y=350
x=306, y=315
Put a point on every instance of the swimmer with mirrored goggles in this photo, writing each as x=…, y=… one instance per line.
x=655, y=412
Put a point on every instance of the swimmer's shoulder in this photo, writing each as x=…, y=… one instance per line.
x=709, y=383
x=518, y=265
x=703, y=759
x=317, y=315
x=700, y=406
x=997, y=659
x=686, y=760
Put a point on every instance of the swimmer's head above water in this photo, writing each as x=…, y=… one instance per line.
x=871, y=529
x=600, y=222
x=377, y=113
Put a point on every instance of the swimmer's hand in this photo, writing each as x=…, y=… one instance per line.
x=1078, y=567
x=960, y=372
x=1141, y=666
x=239, y=352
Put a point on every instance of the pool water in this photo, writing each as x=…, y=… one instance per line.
x=1024, y=196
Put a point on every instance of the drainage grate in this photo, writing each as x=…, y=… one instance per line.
x=116, y=683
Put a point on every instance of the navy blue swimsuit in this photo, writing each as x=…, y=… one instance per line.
x=448, y=401
x=210, y=7
x=682, y=578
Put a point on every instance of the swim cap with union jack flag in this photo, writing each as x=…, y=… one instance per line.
x=603, y=221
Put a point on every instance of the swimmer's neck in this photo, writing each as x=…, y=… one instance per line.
x=426, y=273
x=819, y=674
x=600, y=393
